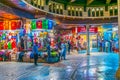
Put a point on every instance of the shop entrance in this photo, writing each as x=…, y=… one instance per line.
x=83, y=43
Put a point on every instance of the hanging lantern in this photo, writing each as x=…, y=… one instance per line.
x=73, y=30
x=50, y=24
x=45, y=33
x=41, y=34
x=13, y=25
x=1, y=25
x=18, y=26
x=6, y=25
x=39, y=24
x=44, y=24
x=33, y=24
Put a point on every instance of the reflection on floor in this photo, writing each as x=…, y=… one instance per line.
x=97, y=66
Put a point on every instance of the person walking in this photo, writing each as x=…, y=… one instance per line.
x=69, y=47
x=63, y=50
x=49, y=50
x=35, y=52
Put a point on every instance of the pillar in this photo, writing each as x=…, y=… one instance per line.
x=88, y=40
x=118, y=71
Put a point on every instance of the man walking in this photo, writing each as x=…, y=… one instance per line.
x=35, y=52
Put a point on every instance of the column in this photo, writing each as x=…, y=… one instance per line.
x=88, y=40
x=118, y=71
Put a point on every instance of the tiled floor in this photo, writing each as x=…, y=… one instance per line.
x=97, y=66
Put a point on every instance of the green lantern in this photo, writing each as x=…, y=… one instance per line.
x=44, y=24
x=9, y=45
x=33, y=24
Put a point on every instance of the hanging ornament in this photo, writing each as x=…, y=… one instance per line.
x=44, y=24
x=1, y=25
x=33, y=24
x=13, y=25
x=50, y=24
x=41, y=34
x=39, y=24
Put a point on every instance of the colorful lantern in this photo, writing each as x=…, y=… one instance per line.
x=33, y=24
x=1, y=25
x=18, y=26
x=50, y=24
x=73, y=30
x=41, y=34
x=39, y=24
x=6, y=26
x=44, y=24
x=13, y=25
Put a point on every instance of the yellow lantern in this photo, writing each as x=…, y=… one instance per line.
x=41, y=34
x=45, y=33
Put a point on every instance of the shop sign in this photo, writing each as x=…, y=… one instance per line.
x=93, y=29
x=83, y=29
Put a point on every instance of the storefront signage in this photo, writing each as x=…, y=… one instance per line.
x=83, y=29
x=93, y=29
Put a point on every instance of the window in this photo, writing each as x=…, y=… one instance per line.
x=61, y=11
x=111, y=12
x=69, y=12
x=53, y=8
x=101, y=13
x=50, y=8
x=116, y=11
x=89, y=12
x=93, y=13
x=97, y=13
x=76, y=13
x=80, y=13
x=72, y=12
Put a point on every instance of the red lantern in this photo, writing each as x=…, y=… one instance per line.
x=1, y=25
x=18, y=25
x=13, y=25
x=73, y=30
x=6, y=26
x=39, y=24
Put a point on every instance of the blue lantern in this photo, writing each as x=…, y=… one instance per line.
x=50, y=24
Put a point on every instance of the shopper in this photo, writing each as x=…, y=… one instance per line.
x=35, y=52
x=48, y=50
x=103, y=45
x=69, y=47
x=63, y=50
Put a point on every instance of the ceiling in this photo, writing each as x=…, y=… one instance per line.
x=87, y=2
x=16, y=4
x=19, y=5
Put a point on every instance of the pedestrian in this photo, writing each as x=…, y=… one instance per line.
x=63, y=50
x=103, y=46
x=69, y=47
x=48, y=50
x=35, y=52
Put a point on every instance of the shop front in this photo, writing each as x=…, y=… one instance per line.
x=9, y=38
x=82, y=38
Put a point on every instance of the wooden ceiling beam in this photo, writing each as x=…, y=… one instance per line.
x=89, y=2
x=108, y=1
